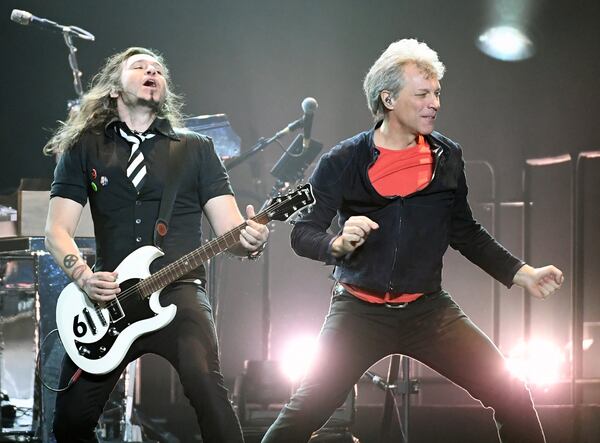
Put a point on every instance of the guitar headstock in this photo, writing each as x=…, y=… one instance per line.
x=287, y=206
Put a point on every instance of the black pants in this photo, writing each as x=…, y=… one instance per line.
x=434, y=330
x=189, y=343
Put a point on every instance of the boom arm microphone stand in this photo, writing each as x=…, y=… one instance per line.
x=288, y=170
x=260, y=145
x=129, y=432
x=27, y=19
x=405, y=388
x=73, y=105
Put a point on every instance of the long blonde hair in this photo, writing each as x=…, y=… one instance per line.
x=98, y=107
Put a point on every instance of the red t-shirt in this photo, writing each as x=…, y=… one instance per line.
x=398, y=173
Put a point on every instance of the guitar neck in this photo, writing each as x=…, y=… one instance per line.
x=194, y=259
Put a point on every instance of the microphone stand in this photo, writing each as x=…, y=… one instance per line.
x=279, y=186
x=129, y=431
x=406, y=387
x=261, y=144
x=73, y=105
x=26, y=18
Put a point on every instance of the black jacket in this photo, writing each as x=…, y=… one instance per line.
x=405, y=254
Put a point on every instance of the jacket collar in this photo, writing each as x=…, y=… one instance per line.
x=434, y=140
x=371, y=137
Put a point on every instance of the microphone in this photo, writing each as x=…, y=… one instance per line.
x=27, y=18
x=290, y=127
x=378, y=381
x=309, y=105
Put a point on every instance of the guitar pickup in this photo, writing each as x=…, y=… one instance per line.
x=90, y=321
x=115, y=311
x=100, y=316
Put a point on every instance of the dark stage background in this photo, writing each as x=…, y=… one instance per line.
x=257, y=60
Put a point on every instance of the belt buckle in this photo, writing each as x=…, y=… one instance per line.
x=396, y=305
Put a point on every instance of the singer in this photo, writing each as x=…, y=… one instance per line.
x=400, y=192
x=129, y=113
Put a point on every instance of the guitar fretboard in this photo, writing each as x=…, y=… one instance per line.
x=192, y=260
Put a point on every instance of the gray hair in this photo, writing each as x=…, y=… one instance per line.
x=386, y=74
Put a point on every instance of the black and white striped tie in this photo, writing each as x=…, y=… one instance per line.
x=136, y=166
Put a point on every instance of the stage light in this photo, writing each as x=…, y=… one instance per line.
x=298, y=354
x=538, y=362
x=506, y=43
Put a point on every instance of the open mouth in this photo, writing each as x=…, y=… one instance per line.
x=150, y=83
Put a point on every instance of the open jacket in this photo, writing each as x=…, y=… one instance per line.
x=405, y=254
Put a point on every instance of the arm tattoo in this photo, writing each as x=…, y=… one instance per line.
x=78, y=271
x=70, y=260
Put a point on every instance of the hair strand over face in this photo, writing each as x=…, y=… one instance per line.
x=98, y=107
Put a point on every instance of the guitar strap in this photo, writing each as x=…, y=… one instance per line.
x=174, y=174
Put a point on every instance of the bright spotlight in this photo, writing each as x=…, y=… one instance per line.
x=537, y=362
x=297, y=356
x=506, y=43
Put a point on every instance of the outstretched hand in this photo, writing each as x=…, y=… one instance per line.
x=539, y=282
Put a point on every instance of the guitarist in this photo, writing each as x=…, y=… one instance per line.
x=115, y=154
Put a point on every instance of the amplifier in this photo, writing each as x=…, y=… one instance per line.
x=33, y=210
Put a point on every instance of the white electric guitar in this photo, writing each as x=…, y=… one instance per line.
x=97, y=338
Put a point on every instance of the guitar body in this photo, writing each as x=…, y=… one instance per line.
x=98, y=339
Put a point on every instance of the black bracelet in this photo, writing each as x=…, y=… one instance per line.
x=255, y=255
x=250, y=255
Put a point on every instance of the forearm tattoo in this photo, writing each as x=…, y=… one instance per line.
x=78, y=272
x=70, y=260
